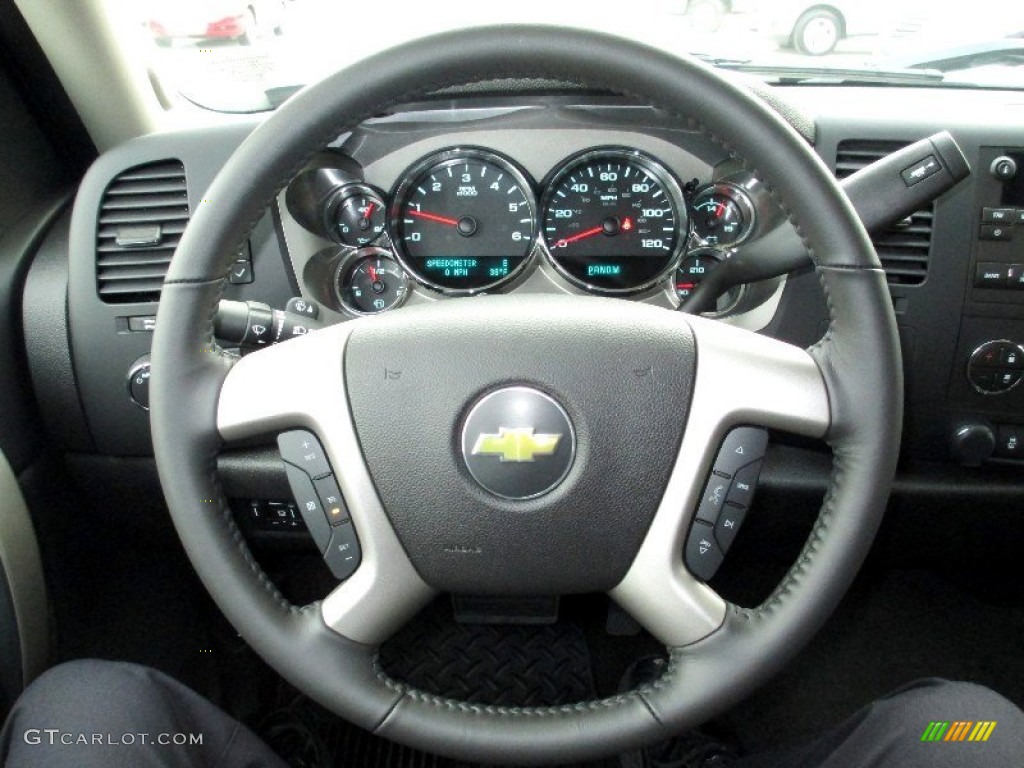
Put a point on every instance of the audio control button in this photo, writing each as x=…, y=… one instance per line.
x=990, y=274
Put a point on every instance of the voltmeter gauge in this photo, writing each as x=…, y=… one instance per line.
x=723, y=216
x=371, y=282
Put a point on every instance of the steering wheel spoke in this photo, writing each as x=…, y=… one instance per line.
x=742, y=379
x=301, y=384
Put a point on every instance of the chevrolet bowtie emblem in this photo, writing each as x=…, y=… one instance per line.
x=515, y=444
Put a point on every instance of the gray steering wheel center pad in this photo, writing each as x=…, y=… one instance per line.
x=859, y=361
x=622, y=372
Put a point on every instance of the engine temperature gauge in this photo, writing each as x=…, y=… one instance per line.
x=694, y=268
x=722, y=216
x=372, y=282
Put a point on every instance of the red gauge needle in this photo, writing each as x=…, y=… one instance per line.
x=369, y=211
x=719, y=210
x=434, y=217
x=373, y=274
x=586, y=233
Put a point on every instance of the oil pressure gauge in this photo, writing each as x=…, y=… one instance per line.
x=723, y=216
x=356, y=216
x=371, y=282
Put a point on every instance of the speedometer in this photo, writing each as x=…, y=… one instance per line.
x=463, y=220
x=612, y=220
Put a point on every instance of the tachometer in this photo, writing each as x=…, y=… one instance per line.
x=464, y=220
x=612, y=220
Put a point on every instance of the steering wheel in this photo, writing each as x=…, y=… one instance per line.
x=648, y=396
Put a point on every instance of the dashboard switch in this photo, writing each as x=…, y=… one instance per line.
x=343, y=553
x=1003, y=168
x=1015, y=277
x=1011, y=356
x=301, y=449
x=241, y=273
x=997, y=215
x=996, y=232
x=1006, y=380
x=973, y=443
x=703, y=555
x=138, y=382
x=304, y=307
x=990, y=274
x=1010, y=442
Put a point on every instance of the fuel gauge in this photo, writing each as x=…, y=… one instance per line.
x=372, y=282
x=723, y=216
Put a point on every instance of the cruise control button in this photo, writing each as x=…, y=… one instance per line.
x=301, y=449
x=728, y=524
x=713, y=499
x=330, y=496
x=309, y=506
x=742, y=446
x=744, y=484
x=703, y=555
x=343, y=553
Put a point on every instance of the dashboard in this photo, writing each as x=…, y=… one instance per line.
x=595, y=195
x=592, y=199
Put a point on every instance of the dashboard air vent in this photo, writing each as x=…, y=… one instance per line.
x=904, y=247
x=143, y=214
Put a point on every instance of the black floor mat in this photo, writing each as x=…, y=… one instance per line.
x=536, y=666
x=514, y=666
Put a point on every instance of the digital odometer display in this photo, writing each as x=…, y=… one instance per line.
x=612, y=221
x=464, y=220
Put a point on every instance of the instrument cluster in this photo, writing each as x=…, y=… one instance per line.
x=610, y=220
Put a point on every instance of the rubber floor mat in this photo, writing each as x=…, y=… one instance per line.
x=513, y=666
x=503, y=665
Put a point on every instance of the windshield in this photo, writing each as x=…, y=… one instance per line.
x=248, y=55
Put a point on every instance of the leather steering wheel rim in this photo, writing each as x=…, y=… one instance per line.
x=858, y=361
